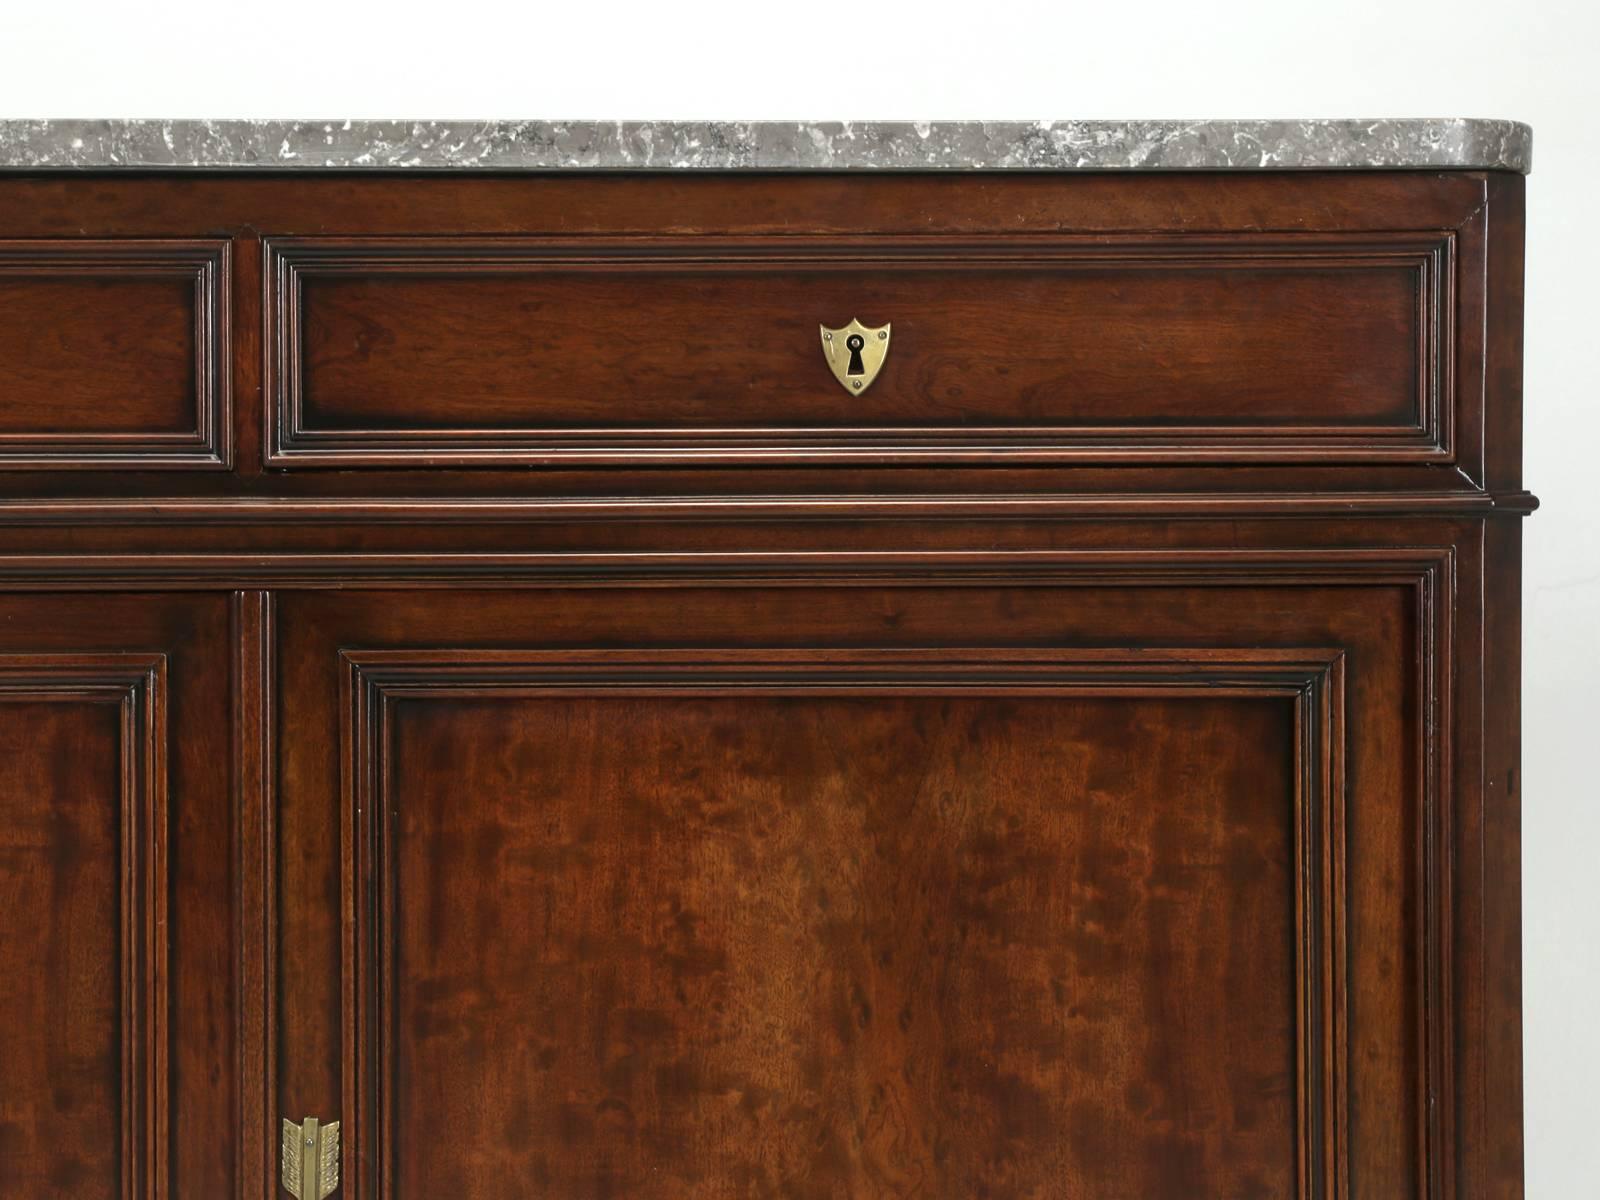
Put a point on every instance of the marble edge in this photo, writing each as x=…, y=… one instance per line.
x=1150, y=145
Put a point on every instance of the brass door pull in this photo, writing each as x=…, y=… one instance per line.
x=310, y=1158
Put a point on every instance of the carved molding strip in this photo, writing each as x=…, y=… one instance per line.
x=1155, y=506
x=778, y=568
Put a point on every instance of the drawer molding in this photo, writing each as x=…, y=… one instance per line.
x=299, y=437
x=204, y=264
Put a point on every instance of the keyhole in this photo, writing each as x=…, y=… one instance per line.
x=853, y=343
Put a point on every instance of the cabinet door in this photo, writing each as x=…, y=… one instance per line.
x=868, y=891
x=116, y=932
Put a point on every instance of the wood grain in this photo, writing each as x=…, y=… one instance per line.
x=112, y=353
x=1376, y=283
x=83, y=886
x=1082, y=350
x=1383, y=1149
x=658, y=1025
x=117, y=905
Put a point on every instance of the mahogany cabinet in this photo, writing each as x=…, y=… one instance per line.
x=470, y=672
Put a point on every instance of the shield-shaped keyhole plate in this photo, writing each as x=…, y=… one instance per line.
x=855, y=354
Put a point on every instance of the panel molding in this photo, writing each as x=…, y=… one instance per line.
x=137, y=684
x=1311, y=679
x=290, y=261
x=202, y=262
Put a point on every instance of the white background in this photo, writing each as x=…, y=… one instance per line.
x=1533, y=60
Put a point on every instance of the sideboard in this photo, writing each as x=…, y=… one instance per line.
x=714, y=661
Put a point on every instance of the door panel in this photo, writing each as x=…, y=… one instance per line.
x=116, y=1036
x=82, y=827
x=839, y=924
x=814, y=891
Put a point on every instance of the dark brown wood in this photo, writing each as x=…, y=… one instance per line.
x=1374, y=627
x=1059, y=348
x=114, y=887
x=254, y=839
x=114, y=353
x=1311, y=331
x=1085, y=764
x=993, y=983
x=85, y=833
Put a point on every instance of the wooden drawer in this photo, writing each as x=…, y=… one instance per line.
x=1064, y=348
x=113, y=353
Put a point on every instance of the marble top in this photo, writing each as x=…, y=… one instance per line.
x=1441, y=143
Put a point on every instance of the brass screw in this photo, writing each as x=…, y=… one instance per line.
x=882, y=336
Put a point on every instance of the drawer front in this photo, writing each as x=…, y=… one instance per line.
x=1221, y=349
x=113, y=354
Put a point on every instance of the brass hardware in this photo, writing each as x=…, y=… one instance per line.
x=855, y=354
x=310, y=1158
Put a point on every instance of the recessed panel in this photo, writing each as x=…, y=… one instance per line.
x=823, y=945
x=79, y=931
x=112, y=354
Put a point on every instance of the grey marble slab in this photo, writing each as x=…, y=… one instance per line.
x=766, y=145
